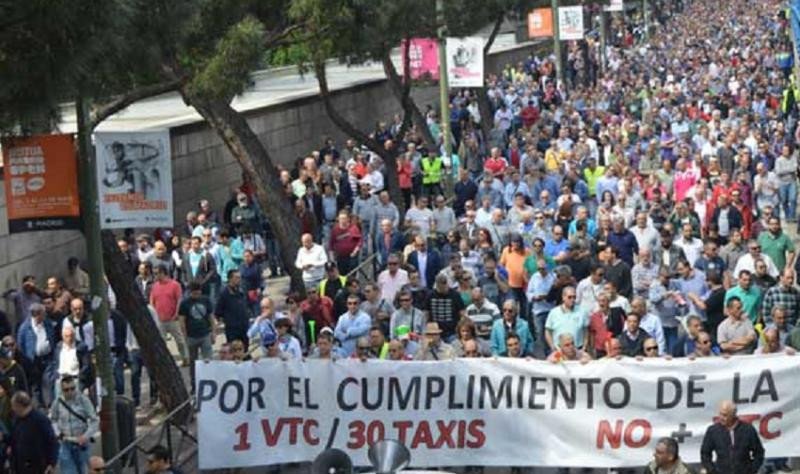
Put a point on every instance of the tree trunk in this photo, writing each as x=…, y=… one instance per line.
x=484, y=107
x=401, y=88
x=156, y=356
x=389, y=157
x=254, y=159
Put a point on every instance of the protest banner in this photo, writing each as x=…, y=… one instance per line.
x=490, y=412
x=570, y=23
x=615, y=6
x=540, y=23
x=41, y=183
x=423, y=58
x=465, y=61
x=134, y=179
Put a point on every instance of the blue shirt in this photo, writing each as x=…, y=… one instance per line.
x=591, y=226
x=540, y=285
x=560, y=321
x=695, y=284
x=512, y=189
x=553, y=248
x=349, y=328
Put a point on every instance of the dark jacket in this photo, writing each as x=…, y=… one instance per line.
x=434, y=265
x=232, y=308
x=397, y=242
x=632, y=347
x=206, y=270
x=735, y=220
x=16, y=376
x=33, y=444
x=745, y=456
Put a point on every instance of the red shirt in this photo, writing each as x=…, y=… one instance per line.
x=496, y=166
x=321, y=313
x=404, y=171
x=165, y=297
x=344, y=241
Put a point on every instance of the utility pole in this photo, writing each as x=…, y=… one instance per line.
x=603, y=58
x=557, y=45
x=99, y=292
x=444, y=99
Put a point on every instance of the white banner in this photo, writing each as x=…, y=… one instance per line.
x=570, y=23
x=490, y=412
x=134, y=179
x=465, y=61
x=615, y=6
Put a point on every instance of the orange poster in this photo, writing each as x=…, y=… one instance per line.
x=540, y=23
x=41, y=183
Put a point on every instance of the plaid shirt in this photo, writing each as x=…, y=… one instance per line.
x=778, y=295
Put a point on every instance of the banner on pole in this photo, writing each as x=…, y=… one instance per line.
x=615, y=6
x=570, y=23
x=134, y=179
x=41, y=183
x=503, y=412
x=465, y=61
x=423, y=58
x=540, y=23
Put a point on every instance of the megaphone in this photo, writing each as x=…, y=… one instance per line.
x=332, y=461
x=388, y=456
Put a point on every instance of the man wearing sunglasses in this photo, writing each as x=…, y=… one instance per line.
x=75, y=422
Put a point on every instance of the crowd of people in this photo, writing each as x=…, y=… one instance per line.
x=640, y=212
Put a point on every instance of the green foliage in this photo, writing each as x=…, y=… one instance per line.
x=226, y=73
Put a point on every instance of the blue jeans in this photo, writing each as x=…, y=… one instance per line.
x=72, y=458
x=788, y=196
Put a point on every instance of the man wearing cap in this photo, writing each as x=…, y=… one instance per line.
x=333, y=281
x=432, y=347
x=352, y=325
x=445, y=307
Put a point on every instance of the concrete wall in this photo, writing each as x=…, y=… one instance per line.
x=34, y=253
x=203, y=168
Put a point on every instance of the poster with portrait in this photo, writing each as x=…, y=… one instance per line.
x=134, y=179
x=41, y=183
x=465, y=61
x=570, y=23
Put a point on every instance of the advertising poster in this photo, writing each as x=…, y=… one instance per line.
x=134, y=174
x=41, y=183
x=465, y=61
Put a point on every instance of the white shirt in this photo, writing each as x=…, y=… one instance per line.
x=316, y=257
x=68, y=361
x=746, y=262
x=422, y=265
x=390, y=285
x=587, y=292
x=42, y=344
x=692, y=249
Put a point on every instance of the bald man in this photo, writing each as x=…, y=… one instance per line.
x=96, y=465
x=737, y=446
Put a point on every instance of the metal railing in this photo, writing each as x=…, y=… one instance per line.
x=363, y=268
x=127, y=459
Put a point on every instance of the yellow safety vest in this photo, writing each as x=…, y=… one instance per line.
x=324, y=283
x=431, y=171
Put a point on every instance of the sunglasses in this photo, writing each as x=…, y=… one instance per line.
x=508, y=310
x=704, y=342
x=393, y=263
x=68, y=389
x=405, y=300
x=648, y=349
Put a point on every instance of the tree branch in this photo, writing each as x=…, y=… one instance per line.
x=402, y=92
x=106, y=110
x=498, y=22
